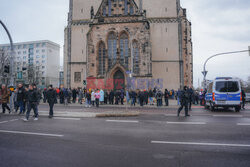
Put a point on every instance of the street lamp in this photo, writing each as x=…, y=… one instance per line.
x=11, y=55
x=204, y=72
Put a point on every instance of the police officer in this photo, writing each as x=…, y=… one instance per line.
x=184, y=101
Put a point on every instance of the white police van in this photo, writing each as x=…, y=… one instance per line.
x=224, y=92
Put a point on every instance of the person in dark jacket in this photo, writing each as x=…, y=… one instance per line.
x=51, y=98
x=25, y=100
x=111, y=97
x=61, y=95
x=32, y=103
x=151, y=95
x=122, y=94
x=44, y=95
x=166, y=95
x=145, y=97
x=190, y=99
x=133, y=97
x=20, y=98
x=74, y=94
x=243, y=94
x=184, y=101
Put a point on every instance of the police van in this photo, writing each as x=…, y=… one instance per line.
x=224, y=92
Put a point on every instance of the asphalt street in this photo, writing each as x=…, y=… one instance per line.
x=156, y=138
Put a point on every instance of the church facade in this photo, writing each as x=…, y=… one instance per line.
x=112, y=42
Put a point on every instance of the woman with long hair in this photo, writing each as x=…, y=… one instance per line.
x=5, y=98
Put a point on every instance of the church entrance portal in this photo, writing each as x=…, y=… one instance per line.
x=119, y=80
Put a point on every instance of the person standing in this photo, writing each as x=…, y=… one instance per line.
x=80, y=95
x=166, y=95
x=151, y=95
x=106, y=96
x=74, y=93
x=88, y=99
x=243, y=98
x=20, y=98
x=184, y=102
x=97, y=97
x=32, y=103
x=51, y=98
x=101, y=97
x=111, y=97
x=93, y=98
x=61, y=95
x=159, y=98
x=190, y=100
x=122, y=94
x=145, y=97
x=44, y=95
x=5, y=98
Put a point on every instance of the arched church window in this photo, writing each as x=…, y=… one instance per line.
x=112, y=48
x=124, y=49
x=125, y=7
x=131, y=10
x=101, y=58
x=104, y=11
x=136, y=58
x=109, y=6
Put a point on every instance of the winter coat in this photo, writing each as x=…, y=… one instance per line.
x=97, y=95
x=33, y=96
x=101, y=96
x=20, y=94
x=51, y=96
x=93, y=96
x=5, y=96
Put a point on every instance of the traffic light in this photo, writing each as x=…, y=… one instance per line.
x=7, y=69
x=84, y=82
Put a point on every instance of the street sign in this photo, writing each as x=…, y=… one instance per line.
x=128, y=72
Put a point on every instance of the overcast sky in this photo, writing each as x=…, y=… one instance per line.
x=217, y=26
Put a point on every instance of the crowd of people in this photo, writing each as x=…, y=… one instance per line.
x=27, y=98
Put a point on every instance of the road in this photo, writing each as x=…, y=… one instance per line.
x=156, y=138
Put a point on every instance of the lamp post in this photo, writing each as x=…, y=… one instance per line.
x=204, y=72
x=11, y=55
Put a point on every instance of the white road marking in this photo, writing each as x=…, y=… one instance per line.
x=31, y=133
x=171, y=115
x=236, y=116
x=8, y=121
x=64, y=118
x=13, y=120
x=188, y=123
x=200, y=144
x=122, y=121
x=243, y=124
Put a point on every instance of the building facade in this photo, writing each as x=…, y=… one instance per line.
x=36, y=62
x=147, y=40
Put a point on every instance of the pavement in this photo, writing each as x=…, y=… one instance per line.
x=155, y=138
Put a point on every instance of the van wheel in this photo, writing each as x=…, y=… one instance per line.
x=212, y=107
x=237, y=109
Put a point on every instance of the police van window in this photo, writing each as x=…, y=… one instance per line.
x=221, y=86
x=232, y=86
x=227, y=86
